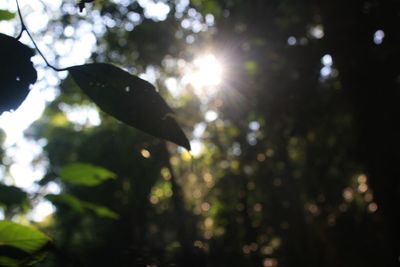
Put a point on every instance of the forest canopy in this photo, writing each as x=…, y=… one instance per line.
x=199, y=133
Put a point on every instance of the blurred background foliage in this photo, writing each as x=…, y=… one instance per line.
x=295, y=151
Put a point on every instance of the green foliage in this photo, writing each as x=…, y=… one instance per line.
x=251, y=67
x=17, y=258
x=70, y=201
x=6, y=15
x=276, y=178
x=6, y=261
x=22, y=237
x=80, y=206
x=102, y=212
x=208, y=7
x=85, y=174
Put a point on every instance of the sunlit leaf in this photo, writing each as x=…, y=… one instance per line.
x=17, y=72
x=6, y=15
x=129, y=99
x=22, y=237
x=85, y=174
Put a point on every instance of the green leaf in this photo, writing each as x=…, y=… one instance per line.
x=22, y=237
x=251, y=67
x=67, y=200
x=80, y=206
x=9, y=262
x=11, y=256
x=208, y=6
x=102, y=211
x=12, y=196
x=85, y=174
x=129, y=99
x=6, y=15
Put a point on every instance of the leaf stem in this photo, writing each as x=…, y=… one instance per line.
x=20, y=34
x=24, y=28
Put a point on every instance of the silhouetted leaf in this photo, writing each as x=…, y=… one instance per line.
x=129, y=99
x=85, y=174
x=16, y=72
x=6, y=15
x=11, y=195
x=80, y=206
x=23, y=237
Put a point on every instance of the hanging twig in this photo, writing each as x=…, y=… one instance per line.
x=24, y=28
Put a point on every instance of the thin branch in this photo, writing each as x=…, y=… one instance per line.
x=20, y=16
x=20, y=34
x=41, y=54
x=24, y=28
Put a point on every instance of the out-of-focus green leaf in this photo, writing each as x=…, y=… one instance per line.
x=80, y=206
x=11, y=256
x=208, y=6
x=85, y=174
x=22, y=237
x=9, y=262
x=251, y=67
x=6, y=15
x=11, y=195
x=129, y=99
x=102, y=211
x=67, y=200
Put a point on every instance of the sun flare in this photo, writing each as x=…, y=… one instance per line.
x=205, y=74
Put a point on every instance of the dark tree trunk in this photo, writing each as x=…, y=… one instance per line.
x=369, y=73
